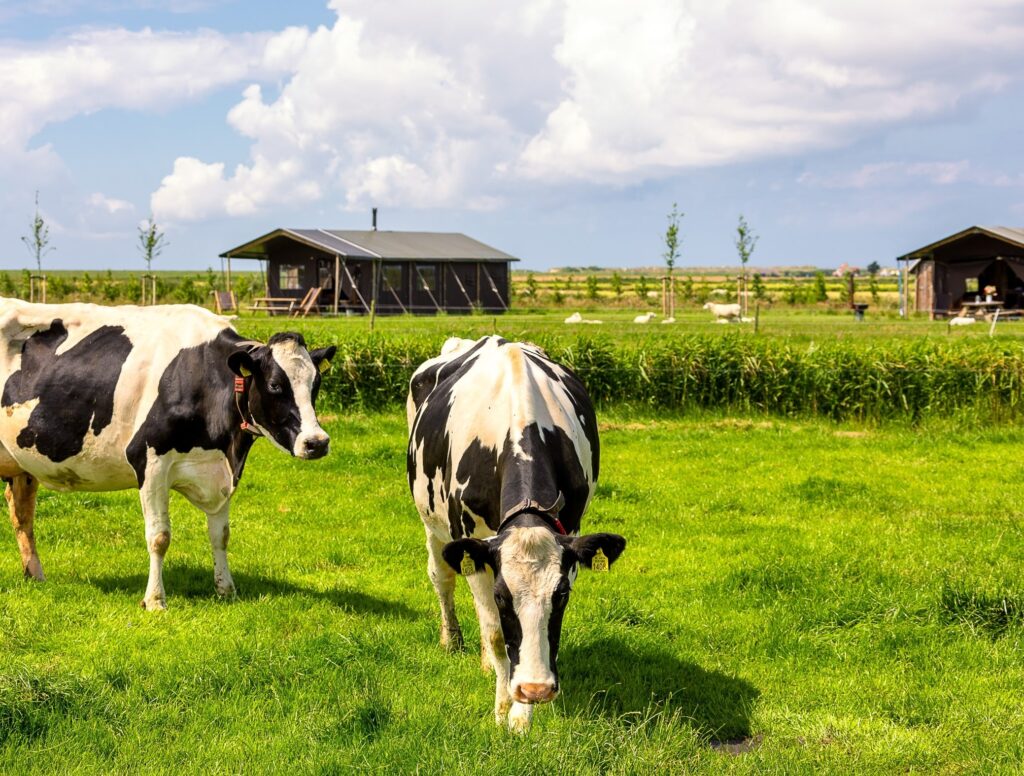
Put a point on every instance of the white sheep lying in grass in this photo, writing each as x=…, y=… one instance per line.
x=645, y=318
x=724, y=312
x=962, y=320
x=577, y=318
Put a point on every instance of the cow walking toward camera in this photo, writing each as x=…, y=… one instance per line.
x=502, y=463
x=155, y=398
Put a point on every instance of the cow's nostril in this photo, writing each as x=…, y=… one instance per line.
x=540, y=692
x=317, y=447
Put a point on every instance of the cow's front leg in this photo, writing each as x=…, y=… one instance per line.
x=154, y=495
x=219, y=528
x=442, y=576
x=492, y=643
x=21, y=501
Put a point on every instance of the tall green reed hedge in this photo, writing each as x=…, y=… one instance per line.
x=841, y=379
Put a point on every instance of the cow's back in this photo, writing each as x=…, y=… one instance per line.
x=494, y=423
x=79, y=379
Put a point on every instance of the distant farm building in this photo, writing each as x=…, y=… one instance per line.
x=416, y=272
x=956, y=270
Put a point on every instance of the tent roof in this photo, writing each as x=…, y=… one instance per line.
x=1010, y=234
x=357, y=244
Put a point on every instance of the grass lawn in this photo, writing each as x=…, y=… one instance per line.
x=826, y=598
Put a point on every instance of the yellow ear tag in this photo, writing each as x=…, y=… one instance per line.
x=324, y=365
x=599, y=562
x=468, y=565
x=245, y=372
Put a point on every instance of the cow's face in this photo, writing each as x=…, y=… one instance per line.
x=534, y=571
x=284, y=379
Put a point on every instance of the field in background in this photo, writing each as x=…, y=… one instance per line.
x=589, y=288
x=796, y=597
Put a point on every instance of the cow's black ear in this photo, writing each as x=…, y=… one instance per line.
x=322, y=357
x=586, y=547
x=241, y=363
x=459, y=554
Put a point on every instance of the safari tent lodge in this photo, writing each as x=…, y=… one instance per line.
x=343, y=271
x=982, y=265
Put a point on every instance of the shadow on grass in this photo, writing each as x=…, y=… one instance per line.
x=612, y=678
x=188, y=581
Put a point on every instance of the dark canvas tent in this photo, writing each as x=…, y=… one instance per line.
x=419, y=272
x=957, y=269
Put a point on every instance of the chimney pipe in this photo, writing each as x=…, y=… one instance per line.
x=375, y=219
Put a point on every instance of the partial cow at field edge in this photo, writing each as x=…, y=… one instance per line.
x=156, y=398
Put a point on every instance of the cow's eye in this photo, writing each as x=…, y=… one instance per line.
x=274, y=387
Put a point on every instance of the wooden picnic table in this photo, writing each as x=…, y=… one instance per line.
x=980, y=309
x=272, y=304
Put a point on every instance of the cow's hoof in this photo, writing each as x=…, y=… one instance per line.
x=520, y=718
x=227, y=593
x=501, y=712
x=34, y=572
x=154, y=604
x=452, y=641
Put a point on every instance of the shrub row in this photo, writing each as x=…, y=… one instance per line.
x=840, y=379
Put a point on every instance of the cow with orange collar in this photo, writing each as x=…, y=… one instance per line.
x=155, y=398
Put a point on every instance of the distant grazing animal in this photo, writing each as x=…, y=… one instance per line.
x=727, y=312
x=577, y=318
x=645, y=318
x=503, y=461
x=155, y=398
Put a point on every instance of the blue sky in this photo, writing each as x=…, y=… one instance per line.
x=560, y=131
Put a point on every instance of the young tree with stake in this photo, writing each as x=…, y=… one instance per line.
x=38, y=243
x=151, y=244
x=671, y=254
x=746, y=240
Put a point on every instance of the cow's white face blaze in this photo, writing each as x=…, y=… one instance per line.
x=285, y=380
x=534, y=572
x=303, y=376
x=531, y=593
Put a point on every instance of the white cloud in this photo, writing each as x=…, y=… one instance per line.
x=398, y=104
x=115, y=68
x=109, y=204
x=897, y=174
x=381, y=120
x=657, y=86
x=890, y=174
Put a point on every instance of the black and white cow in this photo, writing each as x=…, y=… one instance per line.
x=502, y=462
x=155, y=398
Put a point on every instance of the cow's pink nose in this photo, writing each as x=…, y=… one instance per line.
x=529, y=692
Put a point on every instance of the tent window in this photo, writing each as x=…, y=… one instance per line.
x=426, y=277
x=971, y=285
x=393, y=276
x=291, y=277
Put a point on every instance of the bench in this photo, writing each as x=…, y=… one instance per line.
x=272, y=304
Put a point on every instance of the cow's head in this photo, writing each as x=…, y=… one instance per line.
x=534, y=571
x=284, y=379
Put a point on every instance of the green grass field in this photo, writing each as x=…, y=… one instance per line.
x=778, y=321
x=823, y=598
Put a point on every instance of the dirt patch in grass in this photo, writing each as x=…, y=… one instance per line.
x=630, y=425
x=743, y=424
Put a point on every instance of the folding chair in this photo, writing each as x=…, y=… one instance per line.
x=308, y=302
x=225, y=302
